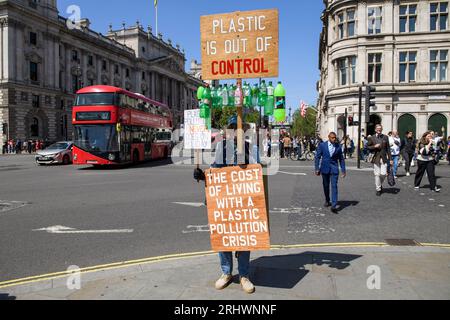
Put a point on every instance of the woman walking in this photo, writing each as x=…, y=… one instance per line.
x=426, y=162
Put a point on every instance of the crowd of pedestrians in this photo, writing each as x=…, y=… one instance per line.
x=17, y=146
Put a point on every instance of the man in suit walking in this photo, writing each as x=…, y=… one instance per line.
x=328, y=155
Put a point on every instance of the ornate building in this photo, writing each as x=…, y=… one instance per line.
x=44, y=60
x=401, y=48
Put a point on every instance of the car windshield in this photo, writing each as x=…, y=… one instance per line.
x=58, y=146
x=95, y=99
x=97, y=138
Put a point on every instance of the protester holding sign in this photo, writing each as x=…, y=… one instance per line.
x=226, y=156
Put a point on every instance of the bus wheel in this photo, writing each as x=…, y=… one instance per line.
x=135, y=156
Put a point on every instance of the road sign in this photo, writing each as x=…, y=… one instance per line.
x=240, y=45
x=237, y=212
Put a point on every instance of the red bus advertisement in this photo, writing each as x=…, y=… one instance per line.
x=115, y=126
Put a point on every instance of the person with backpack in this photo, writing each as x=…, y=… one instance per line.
x=226, y=155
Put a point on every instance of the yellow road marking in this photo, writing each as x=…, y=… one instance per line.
x=123, y=264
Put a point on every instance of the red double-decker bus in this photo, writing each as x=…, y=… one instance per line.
x=115, y=126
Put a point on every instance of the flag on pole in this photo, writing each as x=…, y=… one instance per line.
x=156, y=3
x=304, y=109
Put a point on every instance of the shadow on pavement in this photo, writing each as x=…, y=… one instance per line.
x=5, y=296
x=391, y=190
x=147, y=164
x=346, y=204
x=286, y=271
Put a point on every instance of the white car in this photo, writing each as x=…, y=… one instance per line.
x=60, y=152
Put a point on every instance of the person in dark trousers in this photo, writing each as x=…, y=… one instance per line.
x=328, y=158
x=379, y=147
x=448, y=150
x=226, y=155
x=408, y=148
x=426, y=162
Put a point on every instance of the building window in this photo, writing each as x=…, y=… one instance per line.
x=35, y=128
x=90, y=60
x=33, y=71
x=408, y=18
x=33, y=38
x=347, y=70
x=143, y=49
x=116, y=69
x=91, y=82
x=438, y=65
x=439, y=16
x=375, y=67
x=346, y=23
x=375, y=19
x=127, y=73
x=35, y=101
x=74, y=55
x=143, y=75
x=75, y=83
x=104, y=65
x=408, y=66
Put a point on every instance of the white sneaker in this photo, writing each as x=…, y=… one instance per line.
x=247, y=285
x=417, y=188
x=437, y=189
x=408, y=174
x=223, y=281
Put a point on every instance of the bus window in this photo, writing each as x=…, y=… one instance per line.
x=95, y=99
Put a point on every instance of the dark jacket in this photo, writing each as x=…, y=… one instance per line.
x=409, y=145
x=383, y=153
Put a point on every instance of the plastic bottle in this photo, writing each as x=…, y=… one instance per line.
x=247, y=95
x=270, y=103
x=280, y=103
x=262, y=98
x=200, y=91
x=231, y=93
x=238, y=97
x=225, y=95
x=219, y=97
x=206, y=103
x=214, y=97
x=255, y=92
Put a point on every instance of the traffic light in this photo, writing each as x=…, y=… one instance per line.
x=369, y=100
x=350, y=121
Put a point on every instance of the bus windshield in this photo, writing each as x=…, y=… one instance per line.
x=95, y=99
x=97, y=138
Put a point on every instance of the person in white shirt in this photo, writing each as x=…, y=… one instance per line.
x=395, y=144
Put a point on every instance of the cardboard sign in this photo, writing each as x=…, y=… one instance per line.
x=197, y=136
x=240, y=45
x=237, y=212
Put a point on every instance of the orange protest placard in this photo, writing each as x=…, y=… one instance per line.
x=237, y=212
x=240, y=45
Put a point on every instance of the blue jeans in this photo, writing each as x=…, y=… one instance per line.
x=395, y=159
x=226, y=263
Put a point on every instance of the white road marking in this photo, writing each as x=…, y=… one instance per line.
x=191, y=204
x=67, y=230
x=6, y=205
x=293, y=173
x=193, y=229
x=442, y=206
x=431, y=199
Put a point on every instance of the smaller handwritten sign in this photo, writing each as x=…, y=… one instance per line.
x=197, y=136
x=237, y=212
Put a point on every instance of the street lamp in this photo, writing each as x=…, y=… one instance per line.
x=290, y=118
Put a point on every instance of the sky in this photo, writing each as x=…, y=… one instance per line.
x=179, y=20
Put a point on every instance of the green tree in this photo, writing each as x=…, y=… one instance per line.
x=221, y=116
x=304, y=126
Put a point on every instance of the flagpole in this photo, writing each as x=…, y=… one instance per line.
x=156, y=9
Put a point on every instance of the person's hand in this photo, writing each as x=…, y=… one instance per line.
x=318, y=173
x=392, y=162
x=344, y=174
x=378, y=146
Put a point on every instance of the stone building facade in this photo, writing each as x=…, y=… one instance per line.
x=402, y=48
x=44, y=60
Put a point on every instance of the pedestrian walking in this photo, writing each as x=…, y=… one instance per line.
x=381, y=156
x=408, y=149
x=328, y=158
x=30, y=146
x=5, y=147
x=448, y=150
x=395, y=144
x=426, y=157
x=287, y=144
x=226, y=155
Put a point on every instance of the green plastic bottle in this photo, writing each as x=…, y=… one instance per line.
x=255, y=93
x=206, y=103
x=247, y=91
x=280, y=103
x=200, y=91
x=231, y=94
x=262, y=98
x=270, y=102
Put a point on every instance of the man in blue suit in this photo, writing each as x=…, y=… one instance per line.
x=328, y=154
